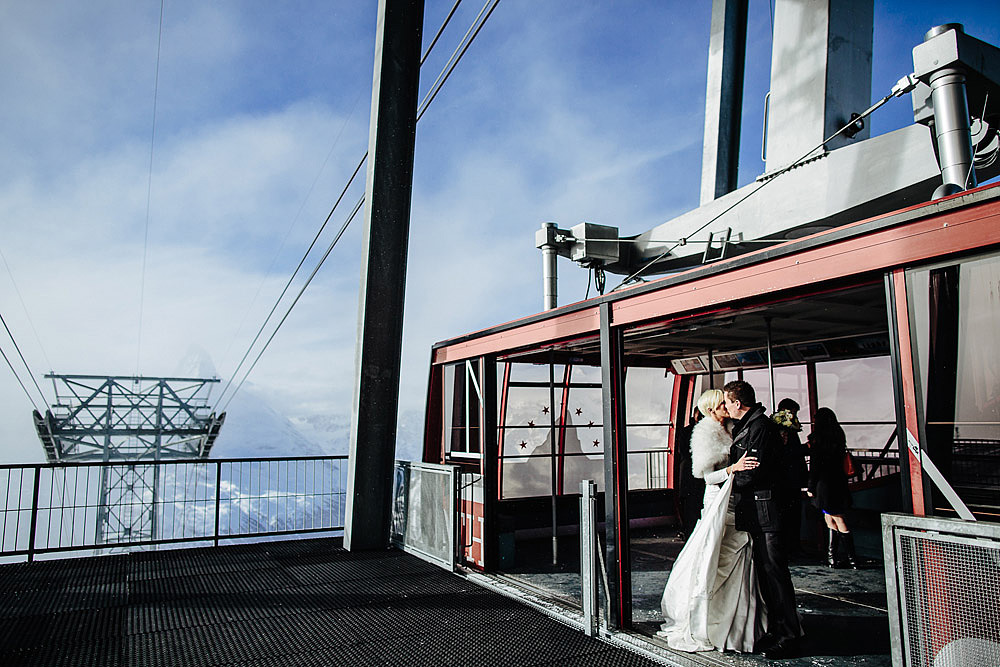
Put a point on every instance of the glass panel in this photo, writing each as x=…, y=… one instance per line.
x=869, y=438
x=448, y=403
x=647, y=438
x=857, y=390
x=463, y=407
x=586, y=439
x=792, y=382
x=954, y=319
x=527, y=477
x=647, y=395
x=536, y=373
x=585, y=406
x=760, y=380
x=583, y=466
x=521, y=442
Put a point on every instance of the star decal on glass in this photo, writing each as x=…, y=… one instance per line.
x=597, y=443
x=590, y=424
x=545, y=409
x=522, y=444
x=531, y=424
x=579, y=411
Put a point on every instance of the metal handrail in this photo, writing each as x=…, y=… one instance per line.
x=66, y=506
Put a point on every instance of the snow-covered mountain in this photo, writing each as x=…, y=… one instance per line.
x=254, y=429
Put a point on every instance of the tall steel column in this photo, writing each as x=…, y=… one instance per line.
x=821, y=72
x=724, y=99
x=383, y=277
x=616, y=533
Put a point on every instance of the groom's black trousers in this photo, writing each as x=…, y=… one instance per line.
x=775, y=582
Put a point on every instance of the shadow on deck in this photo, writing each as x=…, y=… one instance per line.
x=303, y=602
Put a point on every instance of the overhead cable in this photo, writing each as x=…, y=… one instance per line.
x=449, y=67
x=24, y=307
x=149, y=190
x=288, y=312
x=460, y=50
x=295, y=273
x=291, y=225
x=440, y=30
x=899, y=89
x=18, y=378
x=26, y=367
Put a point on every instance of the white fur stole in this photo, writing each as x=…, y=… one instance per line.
x=710, y=442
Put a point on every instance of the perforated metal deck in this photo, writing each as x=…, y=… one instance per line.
x=304, y=602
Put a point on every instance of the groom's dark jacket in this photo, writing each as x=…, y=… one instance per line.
x=756, y=492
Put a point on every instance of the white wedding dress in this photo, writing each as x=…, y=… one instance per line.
x=710, y=600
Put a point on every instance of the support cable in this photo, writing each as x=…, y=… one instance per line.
x=294, y=273
x=291, y=226
x=435, y=88
x=440, y=30
x=18, y=378
x=288, y=312
x=456, y=56
x=904, y=85
x=23, y=361
x=24, y=307
x=149, y=190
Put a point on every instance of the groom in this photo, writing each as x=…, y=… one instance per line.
x=758, y=511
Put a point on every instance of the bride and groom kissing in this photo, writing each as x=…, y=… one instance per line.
x=736, y=556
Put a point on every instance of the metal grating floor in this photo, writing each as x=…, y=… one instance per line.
x=303, y=602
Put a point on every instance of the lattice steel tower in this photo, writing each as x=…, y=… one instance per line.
x=131, y=420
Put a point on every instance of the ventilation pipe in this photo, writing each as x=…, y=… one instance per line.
x=550, y=286
x=952, y=127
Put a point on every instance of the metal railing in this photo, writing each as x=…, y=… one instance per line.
x=50, y=508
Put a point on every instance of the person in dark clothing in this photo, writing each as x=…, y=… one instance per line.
x=756, y=492
x=797, y=474
x=828, y=483
x=691, y=489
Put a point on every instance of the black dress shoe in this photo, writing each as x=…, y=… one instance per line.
x=784, y=648
x=764, y=642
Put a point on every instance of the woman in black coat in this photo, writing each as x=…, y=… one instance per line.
x=828, y=482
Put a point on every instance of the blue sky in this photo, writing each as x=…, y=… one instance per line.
x=561, y=111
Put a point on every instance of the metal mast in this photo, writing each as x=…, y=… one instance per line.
x=129, y=420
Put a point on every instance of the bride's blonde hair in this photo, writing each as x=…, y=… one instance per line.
x=710, y=400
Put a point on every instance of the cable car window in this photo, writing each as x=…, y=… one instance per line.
x=954, y=319
x=463, y=409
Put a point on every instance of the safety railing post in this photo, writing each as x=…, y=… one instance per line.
x=218, y=498
x=34, y=515
x=588, y=552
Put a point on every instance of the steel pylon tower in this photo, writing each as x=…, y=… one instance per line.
x=128, y=420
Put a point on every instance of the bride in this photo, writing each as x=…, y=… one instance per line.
x=710, y=600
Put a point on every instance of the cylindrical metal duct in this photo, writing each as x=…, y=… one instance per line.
x=549, y=275
x=951, y=125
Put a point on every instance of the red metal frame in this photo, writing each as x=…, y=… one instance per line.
x=434, y=417
x=561, y=460
x=909, y=393
x=677, y=406
x=504, y=393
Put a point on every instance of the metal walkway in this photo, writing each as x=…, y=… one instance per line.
x=303, y=602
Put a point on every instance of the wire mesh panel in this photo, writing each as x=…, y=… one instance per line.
x=946, y=574
x=424, y=511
